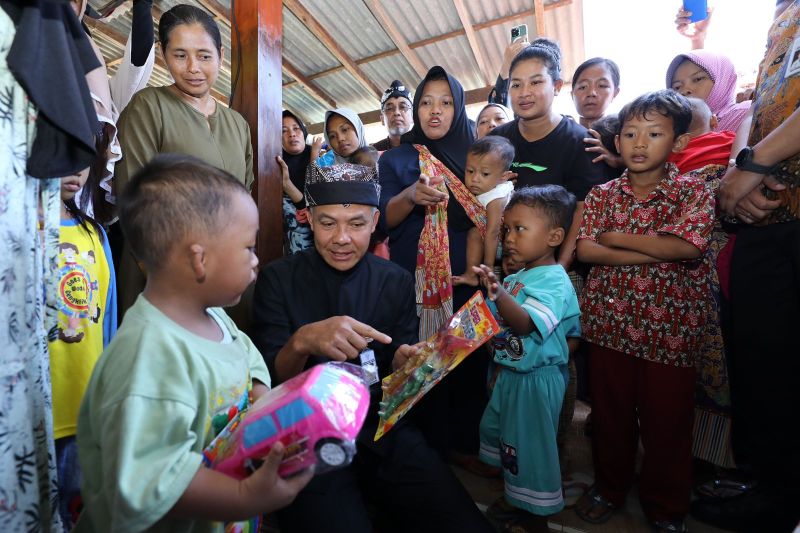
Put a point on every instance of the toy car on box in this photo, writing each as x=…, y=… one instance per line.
x=316, y=415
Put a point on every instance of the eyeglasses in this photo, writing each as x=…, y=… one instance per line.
x=390, y=109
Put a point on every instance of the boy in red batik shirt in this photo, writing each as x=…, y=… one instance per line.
x=644, y=310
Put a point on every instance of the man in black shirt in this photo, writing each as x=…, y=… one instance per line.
x=331, y=302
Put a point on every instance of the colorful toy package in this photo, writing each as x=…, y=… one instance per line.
x=467, y=329
x=316, y=415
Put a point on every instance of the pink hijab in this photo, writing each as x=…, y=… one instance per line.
x=722, y=100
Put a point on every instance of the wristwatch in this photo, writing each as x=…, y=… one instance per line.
x=744, y=161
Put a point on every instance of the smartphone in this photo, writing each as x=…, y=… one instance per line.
x=699, y=9
x=519, y=33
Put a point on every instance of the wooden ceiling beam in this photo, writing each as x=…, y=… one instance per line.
x=312, y=77
x=400, y=42
x=333, y=47
x=370, y=117
x=219, y=11
x=105, y=29
x=443, y=37
x=472, y=38
x=309, y=86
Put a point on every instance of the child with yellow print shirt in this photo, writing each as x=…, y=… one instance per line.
x=87, y=320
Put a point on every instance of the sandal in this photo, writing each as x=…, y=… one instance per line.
x=592, y=507
x=479, y=468
x=502, y=511
x=571, y=491
x=670, y=526
x=722, y=489
x=525, y=523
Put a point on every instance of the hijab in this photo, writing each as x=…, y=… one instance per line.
x=297, y=163
x=509, y=114
x=722, y=99
x=452, y=148
x=353, y=118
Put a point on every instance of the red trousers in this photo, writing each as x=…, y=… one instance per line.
x=632, y=397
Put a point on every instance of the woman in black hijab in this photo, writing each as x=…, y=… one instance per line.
x=297, y=155
x=451, y=414
x=441, y=125
x=450, y=144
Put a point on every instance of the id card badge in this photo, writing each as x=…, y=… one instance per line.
x=370, y=366
x=793, y=68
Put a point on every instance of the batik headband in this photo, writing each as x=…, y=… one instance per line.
x=342, y=184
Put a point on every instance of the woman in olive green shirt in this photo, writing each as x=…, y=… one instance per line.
x=181, y=118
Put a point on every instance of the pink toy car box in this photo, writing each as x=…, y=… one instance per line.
x=316, y=415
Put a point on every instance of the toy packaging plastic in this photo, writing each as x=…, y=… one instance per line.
x=316, y=415
x=467, y=329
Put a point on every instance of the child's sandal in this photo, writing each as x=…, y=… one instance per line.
x=670, y=526
x=523, y=523
x=592, y=507
x=502, y=511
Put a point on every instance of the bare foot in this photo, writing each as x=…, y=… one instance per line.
x=467, y=278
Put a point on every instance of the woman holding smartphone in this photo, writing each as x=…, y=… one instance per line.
x=549, y=147
x=519, y=40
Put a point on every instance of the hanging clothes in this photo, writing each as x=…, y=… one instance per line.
x=27, y=461
x=49, y=57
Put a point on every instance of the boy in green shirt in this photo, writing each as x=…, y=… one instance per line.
x=178, y=366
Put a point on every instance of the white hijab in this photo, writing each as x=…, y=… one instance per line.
x=352, y=117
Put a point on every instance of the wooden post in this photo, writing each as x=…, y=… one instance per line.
x=257, y=25
x=538, y=13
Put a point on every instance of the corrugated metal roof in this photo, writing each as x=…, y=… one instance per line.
x=423, y=20
x=347, y=92
x=456, y=57
x=482, y=11
x=565, y=25
x=108, y=46
x=352, y=25
x=302, y=49
x=299, y=100
x=387, y=69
